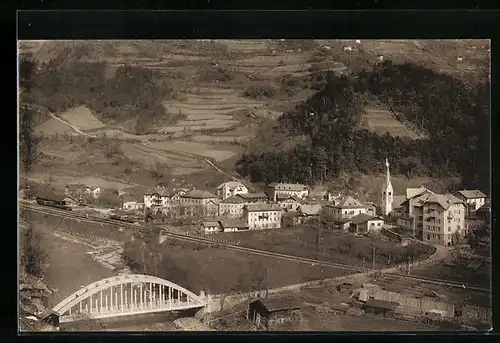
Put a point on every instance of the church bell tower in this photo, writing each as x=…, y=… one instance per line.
x=387, y=192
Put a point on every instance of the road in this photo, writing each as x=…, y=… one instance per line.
x=229, y=246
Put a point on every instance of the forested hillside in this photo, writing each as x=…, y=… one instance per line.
x=454, y=113
x=114, y=95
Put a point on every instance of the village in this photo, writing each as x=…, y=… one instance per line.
x=420, y=215
x=440, y=219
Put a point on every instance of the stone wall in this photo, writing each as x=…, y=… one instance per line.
x=219, y=302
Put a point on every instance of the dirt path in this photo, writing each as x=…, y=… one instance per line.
x=70, y=125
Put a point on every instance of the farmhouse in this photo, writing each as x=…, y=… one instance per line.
x=210, y=227
x=262, y=216
x=270, y=313
x=292, y=189
x=231, y=188
x=473, y=198
x=364, y=223
x=342, y=224
x=310, y=210
x=233, y=206
x=347, y=207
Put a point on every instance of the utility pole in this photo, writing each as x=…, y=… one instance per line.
x=267, y=285
x=373, y=257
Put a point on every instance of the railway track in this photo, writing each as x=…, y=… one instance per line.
x=194, y=239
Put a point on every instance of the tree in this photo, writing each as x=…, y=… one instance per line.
x=32, y=255
x=348, y=244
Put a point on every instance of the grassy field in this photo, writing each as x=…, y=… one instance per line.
x=335, y=246
x=382, y=121
x=198, y=267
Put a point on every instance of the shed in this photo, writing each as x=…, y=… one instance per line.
x=210, y=226
x=269, y=313
x=49, y=317
x=51, y=199
x=383, y=307
x=232, y=225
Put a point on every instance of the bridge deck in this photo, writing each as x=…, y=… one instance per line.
x=128, y=310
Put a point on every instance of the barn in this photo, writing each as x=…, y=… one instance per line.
x=270, y=313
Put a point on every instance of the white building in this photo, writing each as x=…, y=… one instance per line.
x=262, y=216
x=345, y=208
x=157, y=197
x=231, y=188
x=387, y=192
x=473, y=198
x=364, y=223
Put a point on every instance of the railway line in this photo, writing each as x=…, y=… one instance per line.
x=234, y=247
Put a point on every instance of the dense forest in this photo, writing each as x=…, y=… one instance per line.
x=113, y=94
x=453, y=113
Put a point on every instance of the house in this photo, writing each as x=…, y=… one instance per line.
x=158, y=196
x=292, y=189
x=290, y=219
x=231, y=188
x=54, y=199
x=212, y=226
x=200, y=202
x=232, y=225
x=371, y=208
x=130, y=203
x=380, y=307
x=262, y=216
x=95, y=191
x=346, y=207
x=310, y=210
x=342, y=224
x=288, y=202
x=437, y=218
x=233, y=206
x=473, y=198
x=405, y=222
x=364, y=223
x=270, y=313
x=318, y=193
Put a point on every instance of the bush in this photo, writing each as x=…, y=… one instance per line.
x=32, y=256
x=258, y=92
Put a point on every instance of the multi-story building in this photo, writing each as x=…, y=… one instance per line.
x=233, y=206
x=162, y=197
x=231, y=188
x=290, y=189
x=474, y=199
x=437, y=218
x=345, y=208
x=262, y=216
x=199, y=202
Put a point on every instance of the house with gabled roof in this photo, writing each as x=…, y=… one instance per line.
x=230, y=188
x=346, y=207
x=474, y=198
x=282, y=188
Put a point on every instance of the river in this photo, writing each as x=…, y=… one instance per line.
x=70, y=266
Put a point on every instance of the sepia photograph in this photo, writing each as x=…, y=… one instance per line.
x=254, y=185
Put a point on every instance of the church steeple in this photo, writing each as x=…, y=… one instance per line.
x=387, y=192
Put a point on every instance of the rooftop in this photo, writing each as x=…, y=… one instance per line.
x=282, y=186
x=199, y=194
x=383, y=304
x=235, y=199
x=252, y=196
x=348, y=202
x=231, y=184
x=283, y=197
x=398, y=200
x=260, y=207
x=210, y=223
x=273, y=305
x=472, y=194
x=310, y=209
x=362, y=218
x=230, y=222
x=55, y=196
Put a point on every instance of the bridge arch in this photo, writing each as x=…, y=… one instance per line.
x=148, y=300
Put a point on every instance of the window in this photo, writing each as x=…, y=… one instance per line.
x=428, y=237
x=372, y=224
x=428, y=227
x=378, y=224
x=449, y=229
x=420, y=217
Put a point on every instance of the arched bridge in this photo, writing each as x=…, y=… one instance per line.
x=125, y=295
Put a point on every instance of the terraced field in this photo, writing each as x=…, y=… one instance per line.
x=82, y=118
